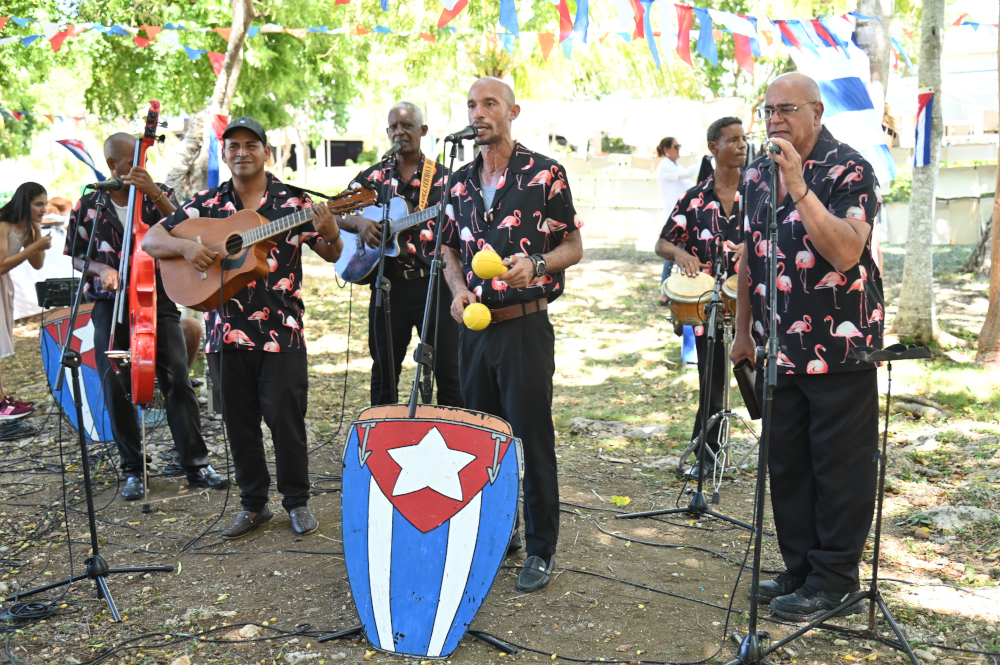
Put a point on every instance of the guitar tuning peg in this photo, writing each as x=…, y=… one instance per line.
x=162, y=123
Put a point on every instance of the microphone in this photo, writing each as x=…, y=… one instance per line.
x=396, y=147
x=773, y=148
x=469, y=132
x=112, y=185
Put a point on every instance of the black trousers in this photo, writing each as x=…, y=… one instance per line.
x=823, y=470
x=408, y=297
x=507, y=372
x=720, y=383
x=183, y=412
x=258, y=385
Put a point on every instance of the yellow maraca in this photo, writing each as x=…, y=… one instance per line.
x=487, y=264
x=477, y=316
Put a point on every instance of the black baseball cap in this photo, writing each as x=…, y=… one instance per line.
x=249, y=124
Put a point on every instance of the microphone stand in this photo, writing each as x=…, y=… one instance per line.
x=424, y=354
x=382, y=285
x=96, y=567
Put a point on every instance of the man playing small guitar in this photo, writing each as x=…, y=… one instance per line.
x=183, y=415
x=418, y=180
x=256, y=349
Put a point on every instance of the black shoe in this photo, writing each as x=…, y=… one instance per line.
x=133, y=490
x=694, y=471
x=244, y=524
x=678, y=330
x=515, y=543
x=782, y=585
x=303, y=520
x=535, y=574
x=208, y=477
x=808, y=604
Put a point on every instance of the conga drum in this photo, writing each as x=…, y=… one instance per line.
x=688, y=297
x=729, y=291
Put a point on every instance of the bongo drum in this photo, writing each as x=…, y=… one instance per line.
x=688, y=297
x=729, y=290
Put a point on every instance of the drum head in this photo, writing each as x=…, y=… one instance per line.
x=731, y=287
x=681, y=287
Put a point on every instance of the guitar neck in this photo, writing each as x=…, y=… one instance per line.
x=278, y=226
x=413, y=219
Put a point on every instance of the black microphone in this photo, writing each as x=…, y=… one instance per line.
x=396, y=147
x=112, y=185
x=773, y=148
x=469, y=132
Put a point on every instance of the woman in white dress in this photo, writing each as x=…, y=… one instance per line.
x=21, y=240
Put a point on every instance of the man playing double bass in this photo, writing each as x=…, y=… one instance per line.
x=183, y=415
x=418, y=180
x=256, y=348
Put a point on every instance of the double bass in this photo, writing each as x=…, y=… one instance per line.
x=138, y=275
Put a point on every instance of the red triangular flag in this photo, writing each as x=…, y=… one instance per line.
x=547, y=41
x=151, y=30
x=685, y=15
x=142, y=43
x=640, y=31
x=358, y=30
x=342, y=2
x=959, y=20
x=17, y=116
x=744, y=56
x=448, y=14
x=788, y=34
x=823, y=34
x=219, y=123
x=58, y=39
x=565, y=22
x=223, y=32
x=50, y=118
x=428, y=37
x=217, y=60
x=3, y=21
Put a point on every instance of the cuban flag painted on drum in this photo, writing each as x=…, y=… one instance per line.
x=428, y=508
x=925, y=113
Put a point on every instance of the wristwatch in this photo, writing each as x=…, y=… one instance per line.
x=540, y=266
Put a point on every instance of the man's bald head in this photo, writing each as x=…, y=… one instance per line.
x=120, y=146
x=497, y=87
x=796, y=82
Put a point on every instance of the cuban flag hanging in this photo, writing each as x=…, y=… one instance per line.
x=80, y=152
x=925, y=113
x=428, y=508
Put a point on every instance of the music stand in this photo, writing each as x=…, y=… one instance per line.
x=96, y=567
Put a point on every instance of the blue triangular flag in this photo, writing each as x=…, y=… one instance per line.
x=648, y=29
x=27, y=41
x=582, y=21
x=706, y=43
x=508, y=17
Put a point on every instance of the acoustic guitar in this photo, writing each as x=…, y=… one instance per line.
x=358, y=261
x=242, y=241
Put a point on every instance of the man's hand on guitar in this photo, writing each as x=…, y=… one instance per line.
x=199, y=256
x=140, y=177
x=109, y=278
x=325, y=224
x=370, y=231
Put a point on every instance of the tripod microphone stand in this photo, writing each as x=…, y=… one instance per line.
x=698, y=507
x=97, y=568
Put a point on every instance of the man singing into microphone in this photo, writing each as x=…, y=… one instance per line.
x=418, y=180
x=518, y=203
x=183, y=415
x=705, y=222
x=824, y=423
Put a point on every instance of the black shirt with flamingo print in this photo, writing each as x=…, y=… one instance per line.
x=532, y=212
x=267, y=314
x=108, y=241
x=696, y=221
x=822, y=312
x=416, y=244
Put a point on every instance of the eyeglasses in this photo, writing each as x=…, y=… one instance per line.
x=676, y=146
x=782, y=110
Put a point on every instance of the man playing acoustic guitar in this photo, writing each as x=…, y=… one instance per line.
x=256, y=349
x=418, y=180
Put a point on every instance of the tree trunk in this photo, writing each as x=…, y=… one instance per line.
x=917, y=315
x=190, y=174
x=875, y=39
x=989, y=336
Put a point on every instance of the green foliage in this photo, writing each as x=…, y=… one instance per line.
x=899, y=192
x=614, y=144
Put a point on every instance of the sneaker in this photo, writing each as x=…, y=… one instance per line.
x=17, y=402
x=10, y=411
x=782, y=585
x=809, y=603
x=244, y=524
x=535, y=574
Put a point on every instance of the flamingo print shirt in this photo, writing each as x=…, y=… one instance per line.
x=267, y=314
x=822, y=313
x=416, y=244
x=532, y=212
x=108, y=241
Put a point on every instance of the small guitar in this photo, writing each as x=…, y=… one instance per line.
x=242, y=241
x=358, y=260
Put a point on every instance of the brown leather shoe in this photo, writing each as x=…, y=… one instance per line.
x=244, y=524
x=303, y=520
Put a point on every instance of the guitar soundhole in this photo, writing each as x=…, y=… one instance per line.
x=234, y=244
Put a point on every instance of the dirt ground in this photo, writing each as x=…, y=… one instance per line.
x=639, y=590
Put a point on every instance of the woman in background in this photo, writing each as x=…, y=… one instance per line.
x=21, y=240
